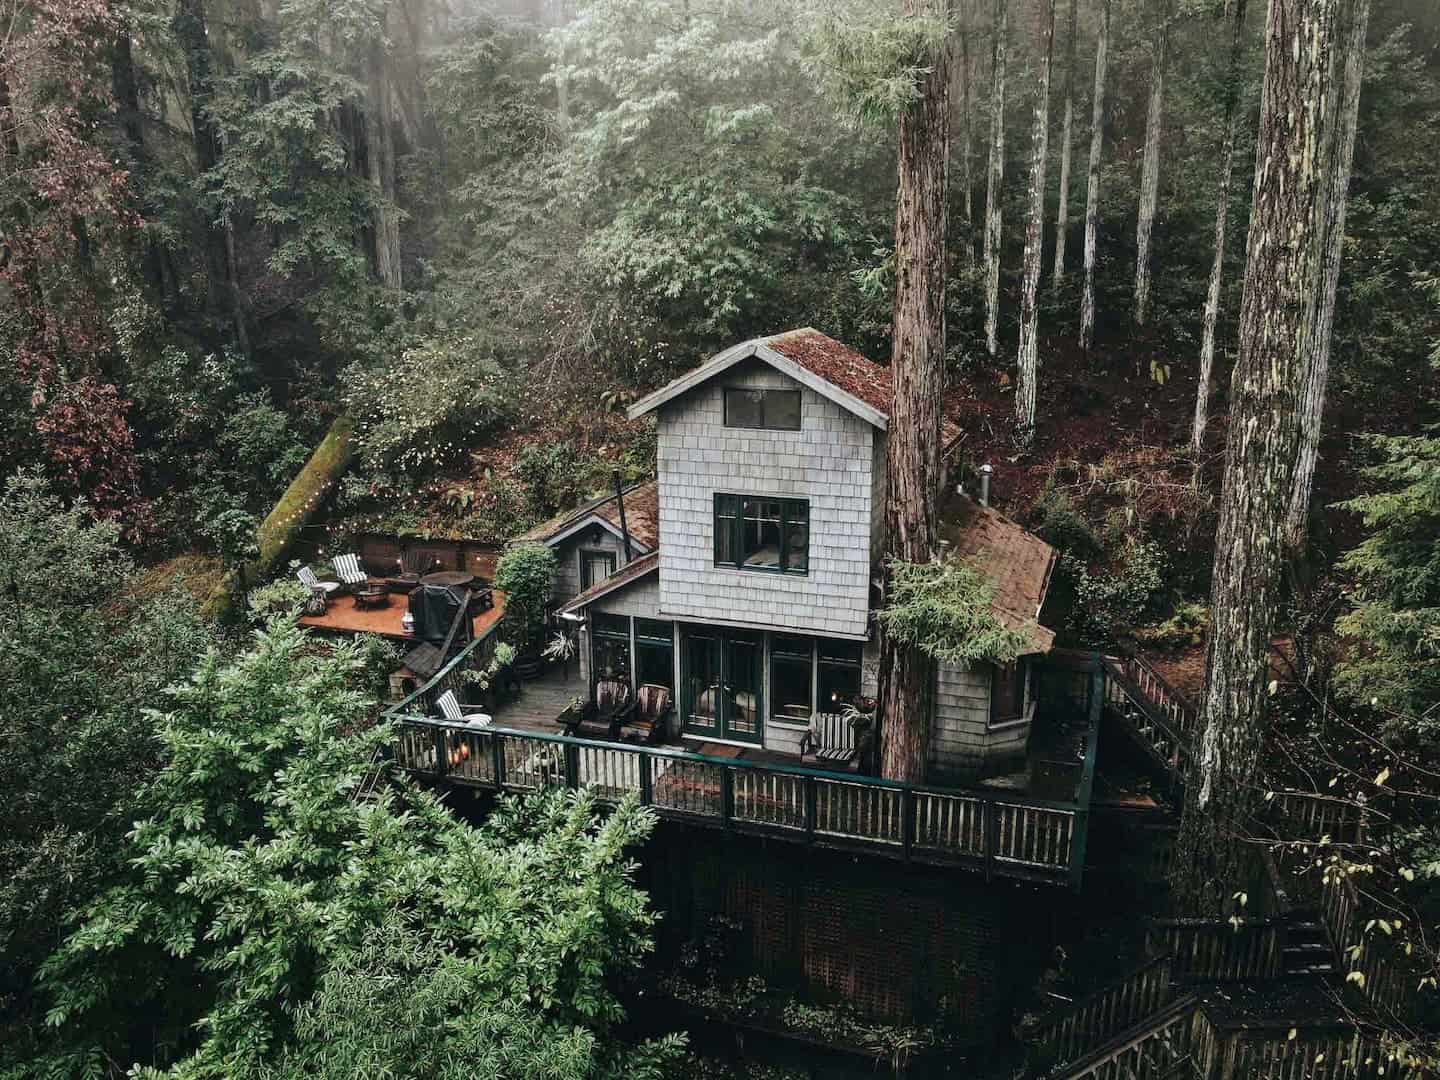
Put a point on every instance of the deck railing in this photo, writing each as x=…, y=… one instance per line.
x=1067, y=1033
x=1155, y=712
x=998, y=833
x=1387, y=979
x=1158, y=1048
x=1212, y=950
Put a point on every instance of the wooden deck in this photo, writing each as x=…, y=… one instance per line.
x=343, y=617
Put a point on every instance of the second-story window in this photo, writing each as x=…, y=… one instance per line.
x=755, y=532
x=778, y=410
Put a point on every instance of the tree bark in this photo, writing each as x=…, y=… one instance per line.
x=996, y=177
x=967, y=134
x=1222, y=208
x=1283, y=281
x=917, y=365
x=1150, y=168
x=380, y=163
x=1092, y=188
x=194, y=37
x=1062, y=214
x=288, y=518
x=1351, y=60
x=1028, y=360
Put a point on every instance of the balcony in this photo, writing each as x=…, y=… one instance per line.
x=994, y=831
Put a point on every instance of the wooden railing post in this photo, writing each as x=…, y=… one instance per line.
x=497, y=751
x=907, y=821
x=647, y=782
x=727, y=796
x=812, y=798
x=572, y=766
x=989, y=810
x=442, y=751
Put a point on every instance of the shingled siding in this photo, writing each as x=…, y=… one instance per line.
x=959, y=743
x=567, y=556
x=828, y=461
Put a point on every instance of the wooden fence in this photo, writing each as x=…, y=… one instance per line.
x=1067, y=1033
x=998, y=833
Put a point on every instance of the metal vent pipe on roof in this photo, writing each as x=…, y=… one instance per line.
x=620, y=502
x=986, y=471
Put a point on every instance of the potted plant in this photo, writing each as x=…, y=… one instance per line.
x=526, y=575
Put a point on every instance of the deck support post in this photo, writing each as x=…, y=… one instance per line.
x=442, y=751
x=647, y=780
x=992, y=835
x=727, y=798
x=572, y=766
x=497, y=752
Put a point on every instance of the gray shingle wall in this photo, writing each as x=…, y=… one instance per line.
x=641, y=598
x=829, y=461
x=961, y=742
x=567, y=555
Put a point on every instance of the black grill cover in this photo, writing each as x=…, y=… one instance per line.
x=434, y=608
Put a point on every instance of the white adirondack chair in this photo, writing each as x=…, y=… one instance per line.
x=349, y=570
x=450, y=709
x=310, y=581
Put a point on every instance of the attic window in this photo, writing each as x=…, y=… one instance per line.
x=778, y=410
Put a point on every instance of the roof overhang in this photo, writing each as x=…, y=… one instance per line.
x=635, y=570
x=584, y=522
x=736, y=354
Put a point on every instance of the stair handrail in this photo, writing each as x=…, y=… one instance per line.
x=1048, y=1029
x=1131, y=1037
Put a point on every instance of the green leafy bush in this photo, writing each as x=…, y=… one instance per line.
x=943, y=608
x=1111, y=600
x=526, y=574
x=426, y=410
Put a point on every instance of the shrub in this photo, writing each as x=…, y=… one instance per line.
x=1112, y=600
x=425, y=411
x=526, y=574
x=943, y=608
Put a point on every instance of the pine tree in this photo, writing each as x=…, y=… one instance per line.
x=1062, y=216
x=1150, y=167
x=1092, y=187
x=1222, y=208
x=912, y=459
x=1350, y=60
x=1028, y=359
x=996, y=179
x=1283, y=283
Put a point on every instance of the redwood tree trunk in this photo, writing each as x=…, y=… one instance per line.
x=1222, y=208
x=1284, y=274
x=1351, y=60
x=1092, y=186
x=967, y=134
x=380, y=163
x=1150, y=168
x=1028, y=360
x=1062, y=215
x=996, y=179
x=912, y=459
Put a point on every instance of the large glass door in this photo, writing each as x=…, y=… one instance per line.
x=722, y=679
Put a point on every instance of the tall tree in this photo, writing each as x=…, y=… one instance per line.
x=1092, y=185
x=912, y=459
x=1284, y=274
x=967, y=134
x=380, y=157
x=1028, y=359
x=1062, y=215
x=1222, y=207
x=996, y=178
x=1150, y=165
x=1350, y=60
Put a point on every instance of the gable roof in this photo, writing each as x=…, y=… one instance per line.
x=1015, y=561
x=829, y=367
x=634, y=570
x=642, y=518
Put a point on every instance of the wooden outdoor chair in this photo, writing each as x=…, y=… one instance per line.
x=646, y=717
x=314, y=584
x=600, y=719
x=348, y=569
x=451, y=709
x=414, y=563
x=830, y=738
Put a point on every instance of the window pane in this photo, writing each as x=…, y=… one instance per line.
x=760, y=537
x=798, y=647
x=845, y=652
x=612, y=659
x=726, y=513
x=782, y=409
x=611, y=625
x=595, y=566
x=653, y=630
x=789, y=686
x=1007, y=692
x=797, y=546
x=653, y=664
x=702, y=679
x=744, y=408
x=838, y=684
